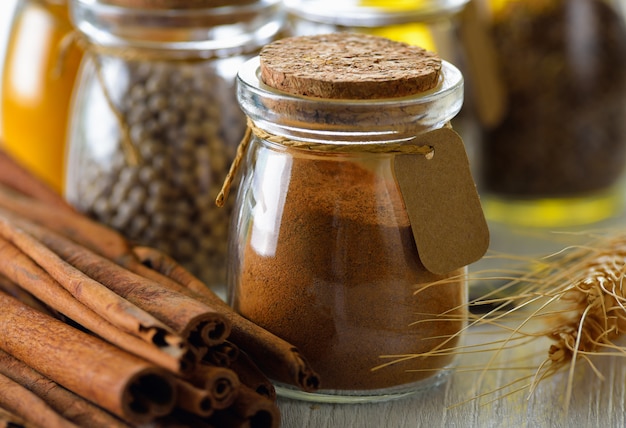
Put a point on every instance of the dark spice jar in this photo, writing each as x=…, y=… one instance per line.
x=557, y=155
x=155, y=121
x=356, y=215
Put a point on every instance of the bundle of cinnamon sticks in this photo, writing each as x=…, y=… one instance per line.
x=97, y=332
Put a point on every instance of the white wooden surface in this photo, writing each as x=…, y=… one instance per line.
x=595, y=402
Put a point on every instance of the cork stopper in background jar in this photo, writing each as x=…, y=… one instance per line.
x=348, y=66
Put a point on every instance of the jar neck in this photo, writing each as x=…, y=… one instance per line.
x=329, y=121
x=372, y=13
x=192, y=32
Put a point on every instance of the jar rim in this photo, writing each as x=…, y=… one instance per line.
x=361, y=120
x=355, y=14
x=205, y=31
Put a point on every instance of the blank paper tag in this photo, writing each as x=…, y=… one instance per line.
x=442, y=203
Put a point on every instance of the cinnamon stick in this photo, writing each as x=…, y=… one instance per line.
x=19, y=400
x=200, y=325
x=194, y=400
x=222, y=355
x=67, y=404
x=279, y=359
x=21, y=270
x=12, y=289
x=73, y=225
x=11, y=420
x=180, y=418
x=121, y=383
x=117, y=310
x=249, y=410
x=16, y=176
x=251, y=375
x=221, y=383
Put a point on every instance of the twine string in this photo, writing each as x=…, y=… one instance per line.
x=65, y=44
x=399, y=148
x=131, y=154
x=241, y=150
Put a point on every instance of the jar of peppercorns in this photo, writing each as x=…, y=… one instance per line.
x=155, y=121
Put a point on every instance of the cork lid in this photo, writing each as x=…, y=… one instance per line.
x=348, y=66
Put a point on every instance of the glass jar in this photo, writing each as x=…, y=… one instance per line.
x=38, y=77
x=155, y=121
x=557, y=156
x=322, y=250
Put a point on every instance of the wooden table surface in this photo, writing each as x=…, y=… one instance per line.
x=595, y=402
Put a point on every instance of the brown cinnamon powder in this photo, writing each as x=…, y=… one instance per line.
x=340, y=284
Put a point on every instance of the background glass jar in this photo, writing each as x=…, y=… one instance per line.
x=155, y=121
x=557, y=156
x=426, y=23
x=321, y=249
x=38, y=77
